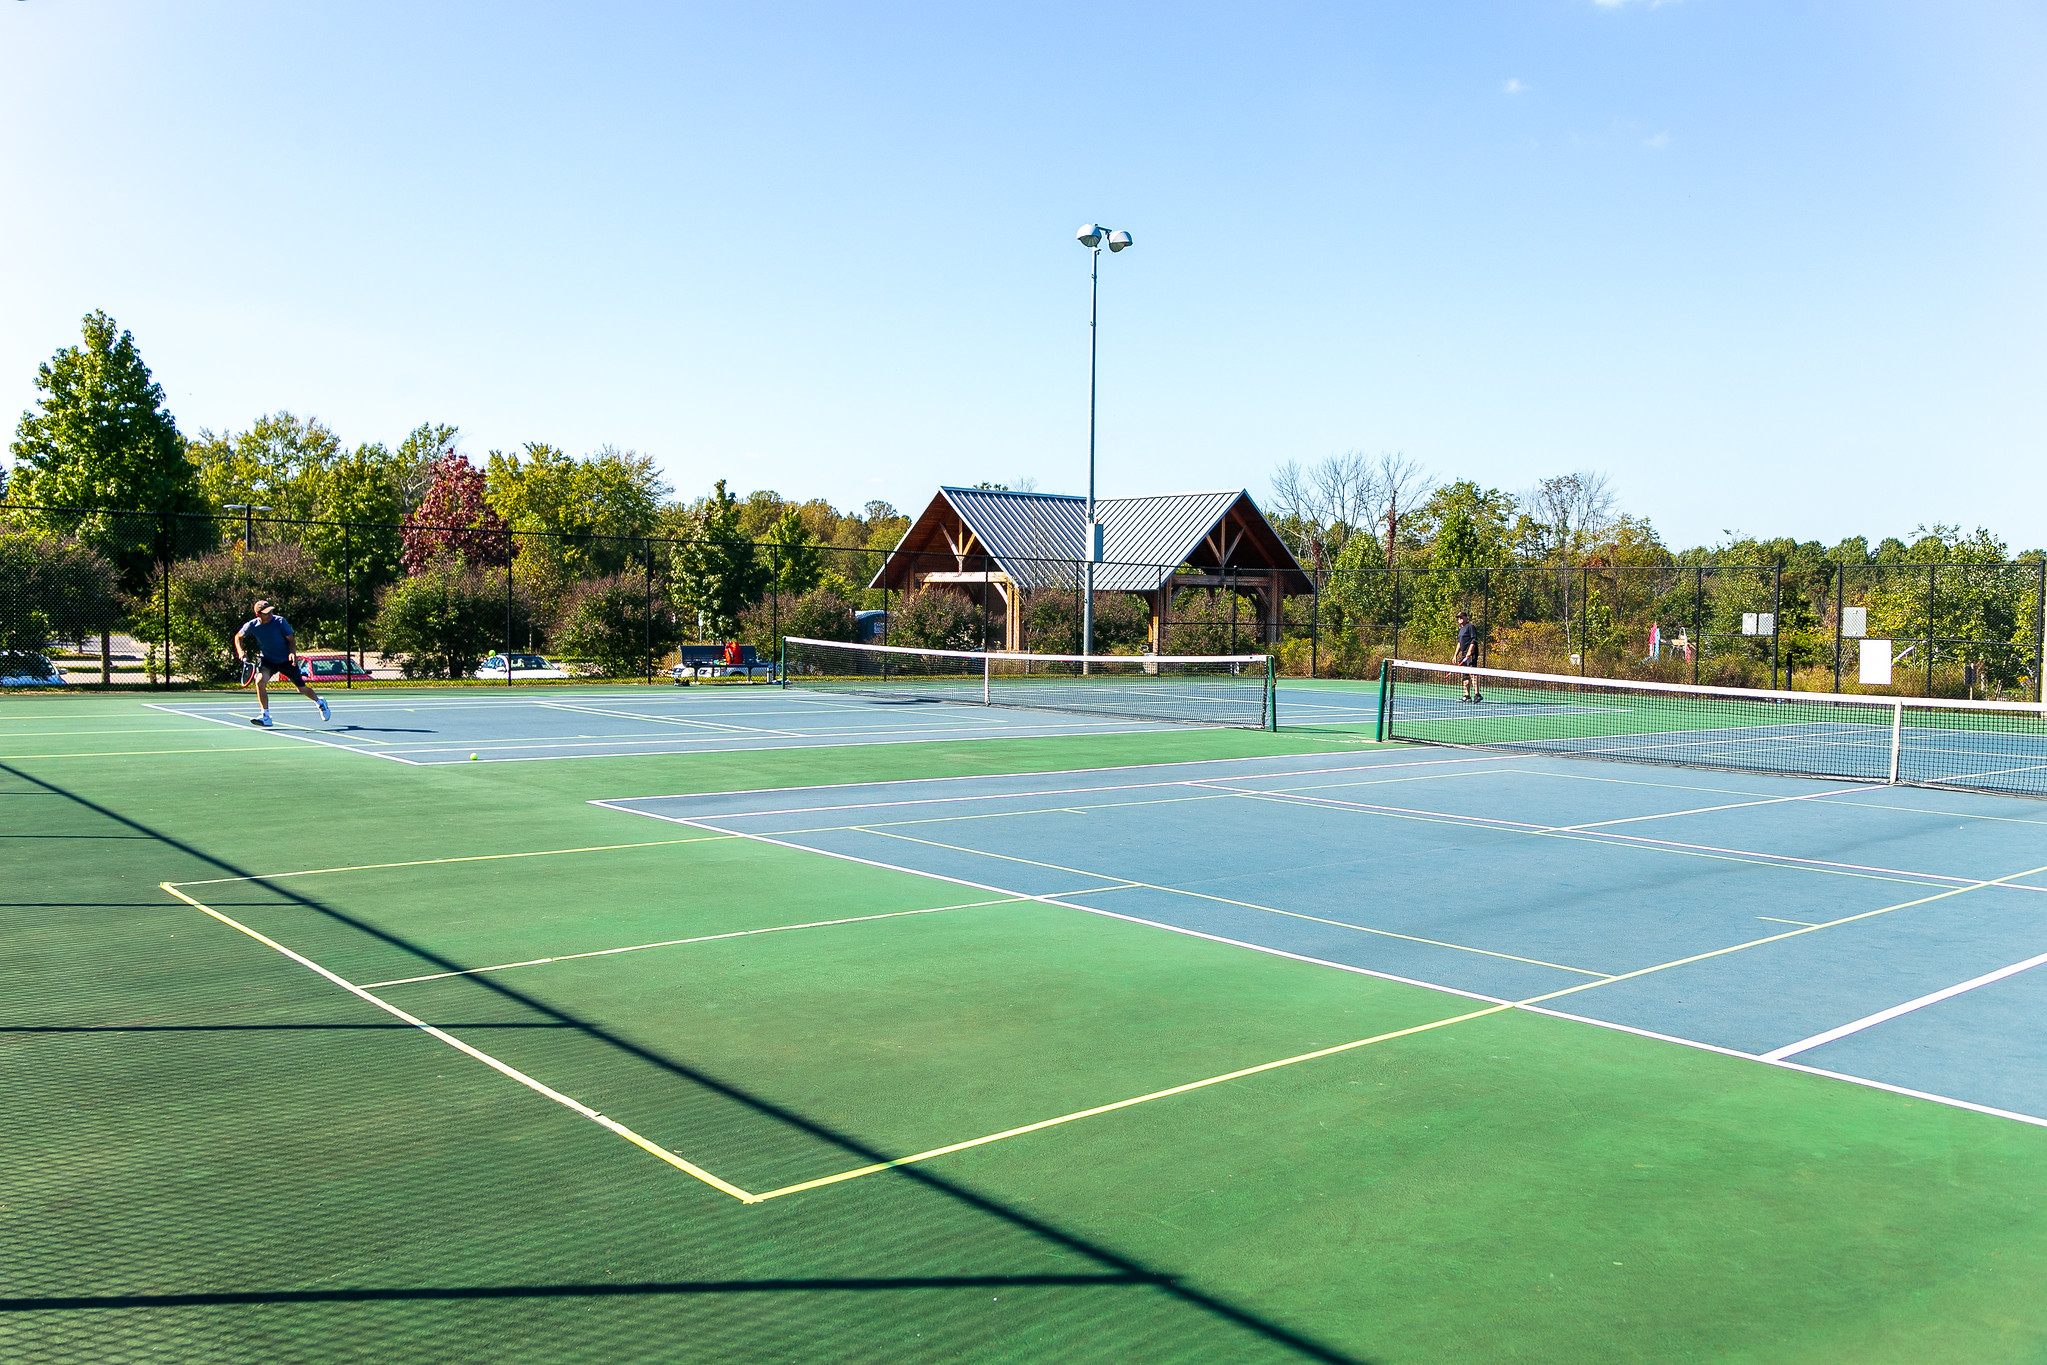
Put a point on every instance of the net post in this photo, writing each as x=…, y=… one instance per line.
x=1385, y=697
x=782, y=661
x=1272, y=693
x=1897, y=736
x=987, y=667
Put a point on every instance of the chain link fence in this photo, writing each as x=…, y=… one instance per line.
x=154, y=599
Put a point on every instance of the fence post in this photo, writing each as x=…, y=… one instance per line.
x=1841, y=602
x=1396, y=612
x=1230, y=587
x=508, y=610
x=774, y=598
x=1584, y=618
x=168, y=553
x=1777, y=622
x=647, y=549
x=1485, y=620
x=1931, y=570
x=347, y=615
x=1315, y=621
x=2040, y=636
x=1698, y=619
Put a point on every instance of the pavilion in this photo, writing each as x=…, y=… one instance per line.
x=997, y=546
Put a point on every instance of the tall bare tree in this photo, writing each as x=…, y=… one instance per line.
x=1568, y=514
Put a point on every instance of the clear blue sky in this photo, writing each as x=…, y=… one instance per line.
x=1774, y=267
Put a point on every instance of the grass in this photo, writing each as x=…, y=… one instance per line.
x=214, y=1154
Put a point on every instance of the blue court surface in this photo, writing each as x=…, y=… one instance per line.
x=523, y=725
x=1883, y=935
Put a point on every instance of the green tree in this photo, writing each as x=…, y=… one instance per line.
x=212, y=595
x=934, y=618
x=608, y=623
x=102, y=440
x=279, y=463
x=442, y=621
x=798, y=562
x=717, y=571
x=52, y=590
x=360, y=489
x=423, y=447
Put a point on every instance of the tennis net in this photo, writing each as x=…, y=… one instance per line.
x=1981, y=745
x=1224, y=689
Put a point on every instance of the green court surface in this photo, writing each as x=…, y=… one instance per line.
x=288, y=1079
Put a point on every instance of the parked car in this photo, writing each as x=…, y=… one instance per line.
x=332, y=668
x=708, y=661
x=31, y=670
x=522, y=666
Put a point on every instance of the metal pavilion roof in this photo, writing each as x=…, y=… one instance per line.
x=1037, y=538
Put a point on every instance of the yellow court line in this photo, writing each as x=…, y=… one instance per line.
x=537, y=1087
x=880, y=1166
x=677, y=942
x=143, y=753
x=1226, y=900
x=469, y=858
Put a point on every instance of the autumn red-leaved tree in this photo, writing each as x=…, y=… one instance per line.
x=454, y=517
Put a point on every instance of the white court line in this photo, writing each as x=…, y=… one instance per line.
x=493, y=1063
x=1062, y=904
x=1948, y=1100
x=1885, y=1016
x=286, y=731
x=466, y=858
x=1533, y=1005
x=1708, y=810
x=666, y=720
x=1058, y=772
x=676, y=942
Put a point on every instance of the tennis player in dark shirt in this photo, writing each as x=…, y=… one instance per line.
x=1467, y=654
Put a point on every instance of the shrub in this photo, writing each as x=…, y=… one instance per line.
x=211, y=597
x=441, y=623
x=1052, y=623
x=606, y=621
x=1201, y=624
x=52, y=589
x=823, y=613
x=934, y=618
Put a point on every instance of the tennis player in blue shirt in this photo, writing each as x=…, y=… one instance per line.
x=269, y=637
x=1467, y=654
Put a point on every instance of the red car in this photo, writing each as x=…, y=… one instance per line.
x=322, y=667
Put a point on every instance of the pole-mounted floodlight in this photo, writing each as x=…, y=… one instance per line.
x=1092, y=236
x=248, y=511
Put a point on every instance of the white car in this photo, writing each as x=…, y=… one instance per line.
x=522, y=666
x=31, y=670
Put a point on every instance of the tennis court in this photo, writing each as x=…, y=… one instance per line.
x=817, y=1027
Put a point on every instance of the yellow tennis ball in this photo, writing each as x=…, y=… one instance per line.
x=472, y=758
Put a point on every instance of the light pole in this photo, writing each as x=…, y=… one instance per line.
x=1092, y=236
x=248, y=511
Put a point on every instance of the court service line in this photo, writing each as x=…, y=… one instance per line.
x=610, y=802
x=1885, y=1016
x=1048, y=899
x=675, y=942
x=1750, y=856
x=466, y=858
x=1706, y=810
x=1927, y=1095
x=1078, y=1114
x=741, y=730
x=1778, y=938
x=1226, y=900
x=503, y=1068
x=285, y=730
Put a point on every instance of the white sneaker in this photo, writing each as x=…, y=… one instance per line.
x=325, y=714
x=261, y=720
